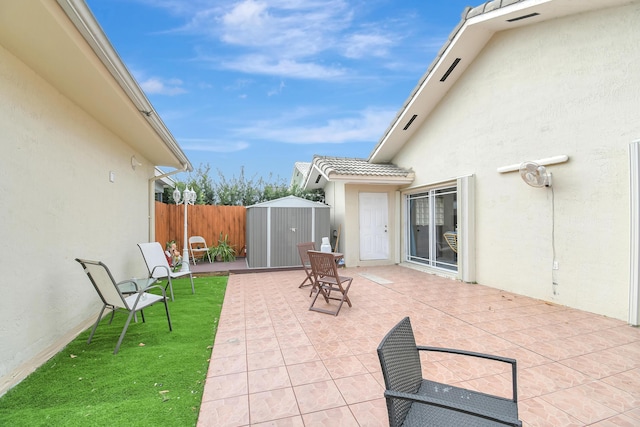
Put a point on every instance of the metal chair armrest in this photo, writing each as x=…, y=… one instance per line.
x=512, y=362
x=164, y=294
x=142, y=291
x=153, y=270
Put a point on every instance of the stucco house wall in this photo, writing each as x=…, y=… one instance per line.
x=59, y=204
x=565, y=86
x=69, y=185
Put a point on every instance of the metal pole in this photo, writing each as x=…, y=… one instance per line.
x=185, y=251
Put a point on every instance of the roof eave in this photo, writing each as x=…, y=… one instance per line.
x=84, y=21
x=466, y=41
x=316, y=179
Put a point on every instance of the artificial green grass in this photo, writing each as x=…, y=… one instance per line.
x=157, y=377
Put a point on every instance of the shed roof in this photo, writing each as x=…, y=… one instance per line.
x=289, y=202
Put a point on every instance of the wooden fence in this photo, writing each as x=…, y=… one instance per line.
x=203, y=220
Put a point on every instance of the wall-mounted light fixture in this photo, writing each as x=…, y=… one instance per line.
x=134, y=162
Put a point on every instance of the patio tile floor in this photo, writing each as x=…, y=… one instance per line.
x=274, y=363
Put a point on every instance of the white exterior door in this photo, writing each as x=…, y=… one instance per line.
x=374, y=236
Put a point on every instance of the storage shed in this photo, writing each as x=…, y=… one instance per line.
x=274, y=228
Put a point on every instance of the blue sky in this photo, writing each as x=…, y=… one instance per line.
x=261, y=84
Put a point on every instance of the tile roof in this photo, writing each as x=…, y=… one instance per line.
x=353, y=166
x=303, y=167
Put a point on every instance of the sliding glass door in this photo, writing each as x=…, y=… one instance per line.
x=432, y=215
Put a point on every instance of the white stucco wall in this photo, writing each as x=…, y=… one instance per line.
x=58, y=204
x=568, y=86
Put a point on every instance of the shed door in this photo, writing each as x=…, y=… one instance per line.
x=374, y=237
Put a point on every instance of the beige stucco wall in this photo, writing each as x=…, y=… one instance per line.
x=568, y=86
x=58, y=204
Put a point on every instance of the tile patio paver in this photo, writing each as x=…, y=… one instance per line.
x=276, y=363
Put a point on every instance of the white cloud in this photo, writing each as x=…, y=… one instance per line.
x=365, y=126
x=277, y=90
x=287, y=29
x=211, y=145
x=156, y=85
x=286, y=38
x=363, y=45
x=259, y=64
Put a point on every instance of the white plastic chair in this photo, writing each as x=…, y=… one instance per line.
x=158, y=265
x=198, y=247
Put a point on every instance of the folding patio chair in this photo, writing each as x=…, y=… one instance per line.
x=114, y=299
x=327, y=280
x=198, y=247
x=414, y=401
x=158, y=265
x=306, y=264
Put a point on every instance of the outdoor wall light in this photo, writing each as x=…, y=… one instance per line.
x=134, y=162
x=188, y=198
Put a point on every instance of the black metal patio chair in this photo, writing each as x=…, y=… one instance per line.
x=414, y=401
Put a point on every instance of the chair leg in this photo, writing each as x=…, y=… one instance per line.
x=124, y=331
x=326, y=293
x=166, y=308
x=170, y=284
x=303, y=284
x=321, y=290
x=344, y=298
x=95, y=325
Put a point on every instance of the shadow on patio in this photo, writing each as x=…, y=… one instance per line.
x=276, y=363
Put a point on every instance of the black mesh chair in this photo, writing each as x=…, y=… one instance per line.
x=414, y=401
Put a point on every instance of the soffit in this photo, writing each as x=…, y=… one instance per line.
x=42, y=36
x=466, y=41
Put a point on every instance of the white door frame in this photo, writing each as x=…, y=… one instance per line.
x=382, y=231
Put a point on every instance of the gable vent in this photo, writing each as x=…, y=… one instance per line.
x=410, y=121
x=531, y=15
x=318, y=179
x=453, y=65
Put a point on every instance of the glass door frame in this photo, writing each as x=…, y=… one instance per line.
x=438, y=219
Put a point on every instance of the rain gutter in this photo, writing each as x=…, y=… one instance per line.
x=84, y=21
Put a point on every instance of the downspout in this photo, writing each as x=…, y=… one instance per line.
x=152, y=200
